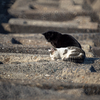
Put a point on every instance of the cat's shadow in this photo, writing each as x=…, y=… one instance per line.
x=90, y=60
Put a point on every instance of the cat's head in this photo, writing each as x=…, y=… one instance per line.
x=50, y=35
x=54, y=54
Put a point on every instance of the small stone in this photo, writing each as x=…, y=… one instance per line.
x=29, y=40
x=3, y=73
x=8, y=75
x=47, y=75
x=46, y=42
x=26, y=75
x=39, y=85
x=17, y=51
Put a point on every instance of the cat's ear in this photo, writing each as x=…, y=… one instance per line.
x=51, y=52
x=53, y=49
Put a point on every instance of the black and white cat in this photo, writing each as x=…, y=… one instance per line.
x=72, y=53
x=59, y=40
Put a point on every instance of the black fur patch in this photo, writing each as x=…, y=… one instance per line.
x=61, y=40
x=65, y=51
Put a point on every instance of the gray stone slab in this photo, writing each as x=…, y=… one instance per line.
x=35, y=76
x=37, y=29
x=37, y=26
x=11, y=91
x=20, y=5
x=33, y=43
x=42, y=23
x=79, y=22
x=23, y=49
x=48, y=3
x=38, y=36
x=42, y=10
x=69, y=5
x=17, y=58
x=44, y=68
x=77, y=70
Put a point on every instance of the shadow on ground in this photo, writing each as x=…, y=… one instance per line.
x=4, y=15
x=90, y=60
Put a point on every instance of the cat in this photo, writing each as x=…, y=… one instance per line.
x=71, y=53
x=59, y=40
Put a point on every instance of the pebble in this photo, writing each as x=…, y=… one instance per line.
x=26, y=75
x=8, y=75
x=29, y=40
x=47, y=75
x=46, y=42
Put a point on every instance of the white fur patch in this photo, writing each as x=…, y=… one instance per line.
x=64, y=53
x=80, y=54
x=70, y=52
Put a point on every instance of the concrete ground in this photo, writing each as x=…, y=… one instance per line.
x=26, y=70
